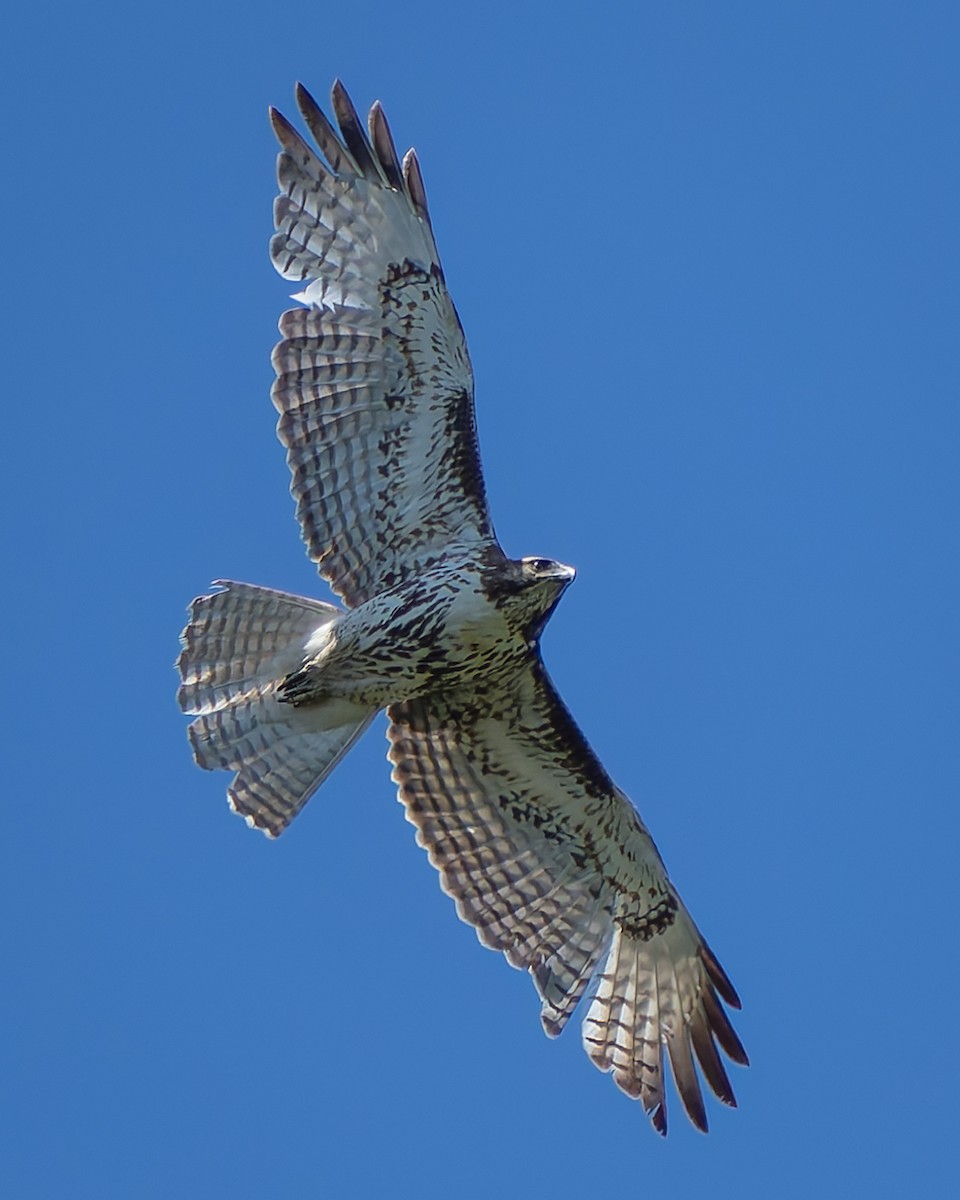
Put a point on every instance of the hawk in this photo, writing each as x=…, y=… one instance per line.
x=540, y=850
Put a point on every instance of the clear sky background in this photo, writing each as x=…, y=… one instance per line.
x=706, y=258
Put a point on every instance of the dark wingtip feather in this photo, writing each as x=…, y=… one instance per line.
x=305, y=98
x=693, y=1103
x=685, y=1077
x=722, y=1029
x=384, y=146
x=288, y=137
x=710, y=1061
x=658, y=1119
x=281, y=126
x=413, y=177
x=354, y=137
x=333, y=150
x=718, y=976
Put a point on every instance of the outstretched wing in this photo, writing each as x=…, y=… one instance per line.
x=553, y=866
x=374, y=385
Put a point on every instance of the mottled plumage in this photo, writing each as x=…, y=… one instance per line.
x=539, y=849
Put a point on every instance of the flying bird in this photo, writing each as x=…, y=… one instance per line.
x=540, y=850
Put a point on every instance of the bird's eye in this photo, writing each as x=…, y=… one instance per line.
x=542, y=564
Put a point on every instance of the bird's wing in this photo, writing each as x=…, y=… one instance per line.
x=374, y=385
x=551, y=863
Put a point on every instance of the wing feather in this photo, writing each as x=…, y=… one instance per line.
x=413, y=178
x=386, y=150
x=333, y=150
x=351, y=130
x=551, y=864
x=374, y=385
x=710, y=1062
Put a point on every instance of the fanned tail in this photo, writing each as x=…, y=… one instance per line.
x=239, y=644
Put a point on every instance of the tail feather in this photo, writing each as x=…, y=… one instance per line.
x=237, y=647
x=240, y=636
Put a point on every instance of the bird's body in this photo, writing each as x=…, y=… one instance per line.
x=540, y=850
x=456, y=625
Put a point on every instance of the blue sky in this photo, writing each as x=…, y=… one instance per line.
x=706, y=257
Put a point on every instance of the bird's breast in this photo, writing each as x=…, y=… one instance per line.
x=435, y=634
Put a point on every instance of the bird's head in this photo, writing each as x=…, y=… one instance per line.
x=528, y=590
x=538, y=572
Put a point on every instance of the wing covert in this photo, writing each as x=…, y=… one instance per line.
x=553, y=866
x=374, y=385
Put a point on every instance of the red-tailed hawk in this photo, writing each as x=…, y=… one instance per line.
x=537, y=846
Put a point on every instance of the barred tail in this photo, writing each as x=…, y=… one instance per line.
x=238, y=645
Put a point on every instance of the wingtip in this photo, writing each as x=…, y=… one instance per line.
x=280, y=125
x=378, y=128
x=413, y=177
x=719, y=978
x=721, y=1028
x=304, y=97
x=343, y=106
